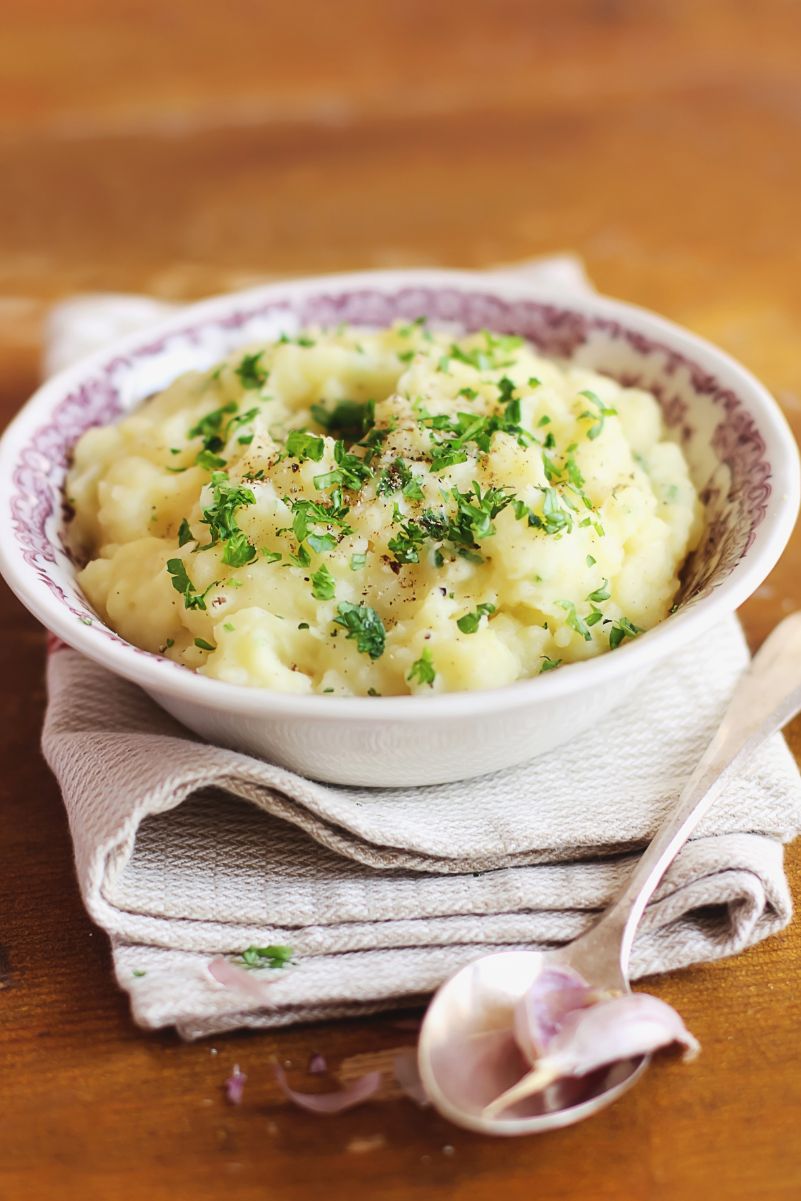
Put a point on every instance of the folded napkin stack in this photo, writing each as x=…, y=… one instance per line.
x=186, y=851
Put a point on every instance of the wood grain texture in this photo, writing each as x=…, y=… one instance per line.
x=192, y=147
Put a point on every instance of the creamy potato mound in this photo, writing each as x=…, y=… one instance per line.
x=380, y=513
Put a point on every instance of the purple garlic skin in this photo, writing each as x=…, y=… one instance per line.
x=539, y=1016
x=566, y=1031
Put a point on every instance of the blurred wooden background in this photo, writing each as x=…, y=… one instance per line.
x=188, y=147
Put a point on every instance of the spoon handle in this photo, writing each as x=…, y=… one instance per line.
x=765, y=698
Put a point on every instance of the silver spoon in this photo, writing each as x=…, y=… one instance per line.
x=477, y=1003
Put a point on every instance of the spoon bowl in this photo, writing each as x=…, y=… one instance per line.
x=468, y=1054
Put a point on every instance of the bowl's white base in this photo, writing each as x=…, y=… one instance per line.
x=394, y=754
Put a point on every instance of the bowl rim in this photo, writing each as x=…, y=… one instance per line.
x=161, y=675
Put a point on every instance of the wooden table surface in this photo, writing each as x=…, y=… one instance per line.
x=190, y=147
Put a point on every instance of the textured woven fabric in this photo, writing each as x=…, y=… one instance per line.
x=186, y=850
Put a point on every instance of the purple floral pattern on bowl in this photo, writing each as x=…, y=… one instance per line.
x=728, y=457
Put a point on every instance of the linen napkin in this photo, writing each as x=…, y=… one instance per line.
x=185, y=851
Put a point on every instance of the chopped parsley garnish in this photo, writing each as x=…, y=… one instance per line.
x=398, y=477
x=412, y=489
x=622, y=628
x=423, y=670
x=363, y=624
x=372, y=442
x=321, y=544
x=553, y=472
x=574, y=621
x=507, y=388
x=549, y=664
x=574, y=476
x=406, y=331
x=349, y=418
x=492, y=356
x=182, y=583
x=241, y=419
x=184, y=533
x=350, y=471
x=563, y=496
x=229, y=626
x=472, y=521
x=323, y=584
x=598, y=417
x=301, y=340
x=204, y=645
x=302, y=558
x=596, y=525
x=209, y=460
x=502, y=343
x=357, y=561
x=261, y=957
x=307, y=513
x=406, y=544
x=215, y=431
x=270, y=556
x=208, y=428
x=600, y=594
x=447, y=458
x=471, y=427
x=237, y=547
x=471, y=621
x=220, y=517
x=302, y=445
x=591, y=561
x=394, y=478
x=412, y=327
x=251, y=372
x=476, y=511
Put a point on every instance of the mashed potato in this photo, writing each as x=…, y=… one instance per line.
x=380, y=513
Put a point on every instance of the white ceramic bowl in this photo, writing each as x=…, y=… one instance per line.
x=741, y=452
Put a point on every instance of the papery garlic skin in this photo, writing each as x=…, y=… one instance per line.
x=597, y=1035
x=541, y=1012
